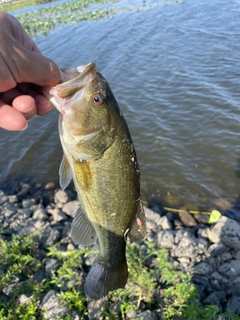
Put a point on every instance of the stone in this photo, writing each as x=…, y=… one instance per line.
x=95, y=308
x=202, y=268
x=27, y=229
x=3, y=197
x=61, y=196
x=24, y=299
x=40, y=214
x=49, y=237
x=25, y=188
x=187, y=219
x=27, y=203
x=25, y=211
x=147, y=315
x=57, y=214
x=165, y=239
x=12, y=199
x=152, y=220
x=51, y=266
x=230, y=268
x=203, y=232
x=233, y=305
x=201, y=218
x=52, y=307
x=203, y=281
x=187, y=246
x=217, y=249
x=9, y=209
x=165, y=223
x=226, y=231
x=216, y=298
x=70, y=208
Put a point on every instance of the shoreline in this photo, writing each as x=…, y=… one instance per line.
x=210, y=255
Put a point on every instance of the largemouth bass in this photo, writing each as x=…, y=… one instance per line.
x=99, y=156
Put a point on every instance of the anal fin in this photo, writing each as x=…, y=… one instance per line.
x=82, y=231
x=138, y=229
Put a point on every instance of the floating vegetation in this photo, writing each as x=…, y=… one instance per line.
x=43, y=20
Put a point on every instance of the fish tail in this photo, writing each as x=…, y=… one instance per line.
x=104, y=277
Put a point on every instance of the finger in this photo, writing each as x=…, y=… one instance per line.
x=11, y=119
x=26, y=105
x=38, y=69
x=42, y=104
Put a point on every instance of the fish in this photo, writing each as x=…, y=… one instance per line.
x=100, y=158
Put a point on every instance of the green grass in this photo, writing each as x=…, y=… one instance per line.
x=153, y=284
x=42, y=21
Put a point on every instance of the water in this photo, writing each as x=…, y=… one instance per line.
x=175, y=72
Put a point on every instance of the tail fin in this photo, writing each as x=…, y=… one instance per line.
x=104, y=277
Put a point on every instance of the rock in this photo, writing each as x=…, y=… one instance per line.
x=25, y=211
x=70, y=208
x=49, y=237
x=201, y=218
x=152, y=220
x=24, y=299
x=49, y=186
x=12, y=199
x=233, y=305
x=187, y=219
x=57, y=214
x=147, y=315
x=165, y=223
x=51, y=266
x=203, y=232
x=231, y=269
x=3, y=197
x=9, y=209
x=165, y=239
x=226, y=231
x=217, y=249
x=203, y=281
x=25, y=188
x=216, y=298
x=95, y=308
x=187, y=246
x=27, y=229
x=27, y=203
x=202, y=268
x=61, y=196
x=52, y=307
x=40, y=214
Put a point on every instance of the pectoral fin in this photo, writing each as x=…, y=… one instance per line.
x=65, y=173
x=82, y=231
x=138, y=229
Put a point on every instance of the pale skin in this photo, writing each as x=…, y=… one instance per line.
x=23, y=71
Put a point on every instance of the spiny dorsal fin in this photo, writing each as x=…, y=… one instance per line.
x=138, y=229
x=82, y=231
x=65, y=173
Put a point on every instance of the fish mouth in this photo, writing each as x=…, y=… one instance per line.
x=79, y=78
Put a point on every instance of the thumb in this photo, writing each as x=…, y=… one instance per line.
x=33, y=67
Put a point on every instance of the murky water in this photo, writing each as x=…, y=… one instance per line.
x=175, y=72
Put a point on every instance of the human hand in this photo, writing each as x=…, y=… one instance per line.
x=23, y=71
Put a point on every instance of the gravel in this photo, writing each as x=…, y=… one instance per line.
x=211, y=254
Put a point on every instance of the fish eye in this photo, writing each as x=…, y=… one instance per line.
x=98, y=99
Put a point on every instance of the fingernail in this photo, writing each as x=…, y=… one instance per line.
x=24, y=127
